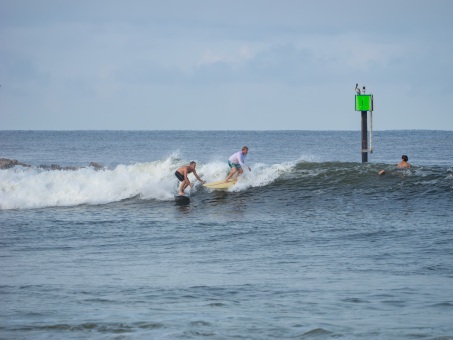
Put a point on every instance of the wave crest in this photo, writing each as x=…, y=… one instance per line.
x=34, y=187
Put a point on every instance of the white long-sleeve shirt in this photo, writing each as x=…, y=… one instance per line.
x=238, y=158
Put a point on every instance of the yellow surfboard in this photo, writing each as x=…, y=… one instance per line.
x=221, y=185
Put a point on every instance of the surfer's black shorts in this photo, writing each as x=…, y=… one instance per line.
x=179, y=176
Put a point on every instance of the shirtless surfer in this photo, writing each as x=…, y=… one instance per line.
x=404, y=164
x=236, y=162
x=182, y=173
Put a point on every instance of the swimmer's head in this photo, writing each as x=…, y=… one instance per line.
x=404, y=158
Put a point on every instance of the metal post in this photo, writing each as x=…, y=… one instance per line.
x=371, y=131
x=364, y=137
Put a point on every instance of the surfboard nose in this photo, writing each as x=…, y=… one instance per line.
x=221, y=185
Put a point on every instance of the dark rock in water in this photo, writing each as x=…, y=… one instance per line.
x=9, y=163
x=96, y=166
x=58, y=167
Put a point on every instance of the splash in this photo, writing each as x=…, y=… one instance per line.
x=33, y=187
x=261, y=174
x=26, y=188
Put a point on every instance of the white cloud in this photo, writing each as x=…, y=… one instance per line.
x=83, y=62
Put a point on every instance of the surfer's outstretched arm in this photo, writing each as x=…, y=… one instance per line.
x=196, y=175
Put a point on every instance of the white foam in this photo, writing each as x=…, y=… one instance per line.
x=26, y=188
x=261, y=175
x=214, y=171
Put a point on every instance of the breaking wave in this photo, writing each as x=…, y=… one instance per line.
x=36, y=187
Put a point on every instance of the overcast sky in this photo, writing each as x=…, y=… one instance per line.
x=224, y=65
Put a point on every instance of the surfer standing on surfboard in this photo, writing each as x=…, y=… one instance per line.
x=182, y=173
x=236, y=162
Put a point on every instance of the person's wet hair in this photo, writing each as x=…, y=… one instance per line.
x=405, y=158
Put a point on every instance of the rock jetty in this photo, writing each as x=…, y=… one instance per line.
x=6, y=163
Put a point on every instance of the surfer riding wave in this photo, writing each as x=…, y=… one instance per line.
x=182, y=173
x=236, y=162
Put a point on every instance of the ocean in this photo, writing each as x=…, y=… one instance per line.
x=310, y=244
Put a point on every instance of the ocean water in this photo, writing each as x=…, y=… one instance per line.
x=311, y=244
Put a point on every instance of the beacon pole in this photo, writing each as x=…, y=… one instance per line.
x=364, y=137
x=364, y=103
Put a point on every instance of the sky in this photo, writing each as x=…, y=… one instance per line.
x=224, y=65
